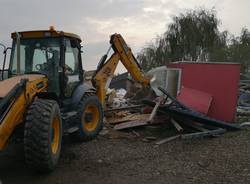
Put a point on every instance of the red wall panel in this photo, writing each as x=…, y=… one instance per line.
x=218, y=79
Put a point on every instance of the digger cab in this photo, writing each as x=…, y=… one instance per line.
x=55, y=54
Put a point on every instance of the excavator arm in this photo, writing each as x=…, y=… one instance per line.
x=106, y=68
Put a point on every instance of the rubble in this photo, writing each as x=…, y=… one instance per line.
x=182, y=118
x=131, y=113
x=115, y=98
x=244, y=100
x=178, y=110
x=243, y=109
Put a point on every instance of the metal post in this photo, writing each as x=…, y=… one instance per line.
x=18, y=52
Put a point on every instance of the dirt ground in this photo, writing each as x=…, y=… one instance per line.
x=119, y=159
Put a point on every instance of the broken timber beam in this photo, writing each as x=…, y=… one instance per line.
x=203, y=134
x=168, y=139
x=124, y=108
x=130, y=124
x=154, y=111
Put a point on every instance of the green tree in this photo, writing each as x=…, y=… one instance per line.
x=239, y=50
x=191, y=36
x=194, y=36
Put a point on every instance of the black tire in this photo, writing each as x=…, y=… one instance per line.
x=83, y=133
x=42, y=142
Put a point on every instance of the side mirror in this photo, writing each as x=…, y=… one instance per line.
x=4, y=47
x=4, y=60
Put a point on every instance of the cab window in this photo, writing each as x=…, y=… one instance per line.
x=71, y=68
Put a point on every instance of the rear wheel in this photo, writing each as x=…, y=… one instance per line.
x=89, y=118
x=43, y=135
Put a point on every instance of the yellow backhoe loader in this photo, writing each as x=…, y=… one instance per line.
x=45, y=97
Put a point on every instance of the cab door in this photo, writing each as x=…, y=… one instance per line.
x=71, y=66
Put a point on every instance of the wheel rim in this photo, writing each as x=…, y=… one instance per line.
x=90, y=118
x=55, y=135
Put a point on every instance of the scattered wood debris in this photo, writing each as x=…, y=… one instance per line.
x=129, y=117
x=130, y=124
x=187, y=123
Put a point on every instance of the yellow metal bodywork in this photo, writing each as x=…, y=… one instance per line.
x=44, y=33
x=104, y=75
x=15, y=114
x=121, y=53
x=18, y=108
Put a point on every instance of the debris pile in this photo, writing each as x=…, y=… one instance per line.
x=162, y=111
x=115, y=98
x=180, y=112
x=243, y=109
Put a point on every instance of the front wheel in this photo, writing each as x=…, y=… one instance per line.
x=43, y=135
x=89, y=118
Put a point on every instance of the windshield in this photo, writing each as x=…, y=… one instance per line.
x=38, y=55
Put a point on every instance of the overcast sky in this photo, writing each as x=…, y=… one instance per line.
x=139, y=21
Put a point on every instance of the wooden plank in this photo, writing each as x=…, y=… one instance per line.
x=203, y=134
x=130, y=124
x=130, y=117
x=168, y=139
x=154, y=111
x=124, y=108
x=137, y=120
